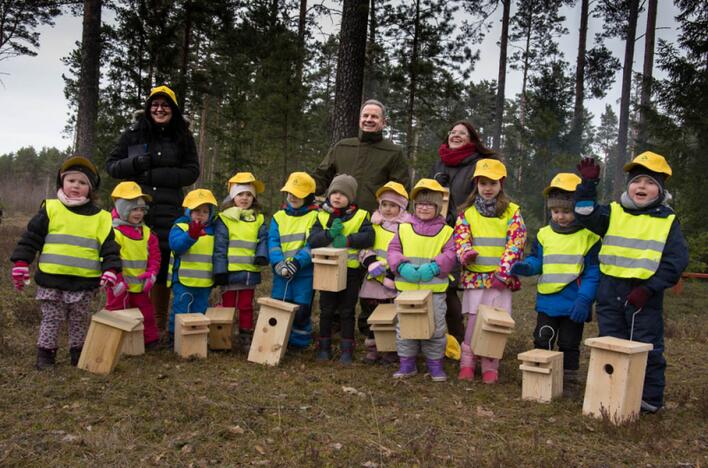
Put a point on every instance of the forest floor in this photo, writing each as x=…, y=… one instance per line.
x=159, y=409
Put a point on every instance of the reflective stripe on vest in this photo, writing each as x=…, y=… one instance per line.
x=633, y=245
x=243, y=240
x=351, y=226
x=73, y=242
x=294, y=231
x=195, y=265
x=380, y=248
x=563, y=257
x=421, y=249
x=134, y=255
x=488, y=237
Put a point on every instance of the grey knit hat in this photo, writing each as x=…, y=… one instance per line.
x=430, y=196
x=345, y=184
x=560, y=199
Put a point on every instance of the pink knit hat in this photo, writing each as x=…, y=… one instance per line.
x=393, y=197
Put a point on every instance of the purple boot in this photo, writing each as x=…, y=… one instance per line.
x=435, y=368
x=407, y=368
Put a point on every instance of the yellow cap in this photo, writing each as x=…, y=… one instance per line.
x=129, y=191
x=164, y=90
x=427, y=184
x=652, y=161
x=243, y=178
x=565, y=181
x=300, y=184
x=452, y=348
x=490, y=168
x=78, y=161
x=199, y=197
x=393, y=187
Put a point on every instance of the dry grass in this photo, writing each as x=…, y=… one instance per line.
x=161, y=410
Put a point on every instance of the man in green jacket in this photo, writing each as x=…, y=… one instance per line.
x=369, y=158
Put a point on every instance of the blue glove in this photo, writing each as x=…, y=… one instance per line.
x=428, y=271
x=522, y=268
x=409, y=272
x=580, y=311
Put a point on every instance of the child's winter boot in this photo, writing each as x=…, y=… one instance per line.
x=372, y=354
x=324, y=349
x=435, y=368
x=45, y=358
x=407, y=368
x=346, y=346
x=466, y=364
x=74, y=355
x=570, y=383
x=490, y=377
x=245, y=337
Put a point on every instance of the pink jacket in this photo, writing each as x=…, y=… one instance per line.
x=446, y=259
x=136, y=233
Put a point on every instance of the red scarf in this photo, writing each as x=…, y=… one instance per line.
x=453, y=157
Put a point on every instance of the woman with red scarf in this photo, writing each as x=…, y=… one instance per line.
x=459, y=153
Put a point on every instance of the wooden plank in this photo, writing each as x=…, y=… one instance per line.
x=270, y=338
x=414, y=297
x=220, y=314
x=111, y=319
x=276, y=304
x=542, y=356
x=536, y=369
x=618, y=345
x=383, y=314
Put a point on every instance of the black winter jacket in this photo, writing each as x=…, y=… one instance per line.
x=362, y=239
x=460, y=180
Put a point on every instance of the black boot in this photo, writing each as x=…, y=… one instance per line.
x=75, y=354
x=245, y=337
x=45, y=358
x=324, y=349
x=346, y=346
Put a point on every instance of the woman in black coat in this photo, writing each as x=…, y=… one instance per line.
x=158, y=152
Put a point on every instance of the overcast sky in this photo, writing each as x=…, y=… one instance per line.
x=32, y=89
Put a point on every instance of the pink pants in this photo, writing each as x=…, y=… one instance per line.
x=471, y=300
x=142, y=301
x=242, y=299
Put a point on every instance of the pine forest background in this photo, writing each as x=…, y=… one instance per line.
x=269, y=85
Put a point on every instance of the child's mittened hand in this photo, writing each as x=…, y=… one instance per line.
x=149, y=281
x=120, y=287
x=336, y=228
x=409, y=272
x=428, y=271
x=521, y=268
x=497, y=283
x=292, y=266
x=589, y=169
x=108, y=279
x=580, y=311
x=468, y=256
x=639, y=296
x=339, y=242
x=20, y=275
x=389, y=283
x=376, y=268
x=196, y=230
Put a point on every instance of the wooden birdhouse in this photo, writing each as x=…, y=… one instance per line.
x=221, y=324
x=330, y=269
x=491, y=330
x=382, y=322
x=104, y=341
x=542, y=375
x=415, y=314
x=134, y=341
x=270, y=339
x=615, y=378
x=191, y=333
x=446, y=202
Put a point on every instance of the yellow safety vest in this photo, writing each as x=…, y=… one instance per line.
x=488, y=237
x=73, y=242
x=421, y=249
x=134, y=256
x=633, y=245
x=294, y=231
x=351, y=226
x=380, y=248
x=563, y=257
x=243, y=240
x=195, y=266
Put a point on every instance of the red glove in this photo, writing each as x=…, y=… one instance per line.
x=108, y=279
x=149, y=281
x=468, y=256
x=589, y=169
x=639, y=296
x=20, y=275
x=498, y=283
x=196, y=230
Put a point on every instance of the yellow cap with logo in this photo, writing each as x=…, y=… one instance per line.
x=652, y=161
x=565, y=181
x=244, y=178
x=199, y=197
x=129, y=191
x=300, y=184
x=393, y=187
x=427, y=184
x=164, y=90
x=490, y=168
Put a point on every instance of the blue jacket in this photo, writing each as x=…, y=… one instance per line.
x=179, y=240
x=221, y=250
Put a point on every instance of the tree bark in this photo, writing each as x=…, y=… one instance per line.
x=350, y=69
x=622, y=156
x=412, y=88
x=576, y=134
x=371, y=85
x=184, y=63
x=501, y=80
x=89, y=80
x=524, y=80
x=647, y=74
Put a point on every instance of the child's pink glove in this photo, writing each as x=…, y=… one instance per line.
x=468, y=256
x=389, y=283
x=498, y=283
x=120, y=287
x=149, y=281
x=20, y=275
x=108, y=279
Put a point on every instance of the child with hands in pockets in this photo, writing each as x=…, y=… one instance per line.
x=77, y=255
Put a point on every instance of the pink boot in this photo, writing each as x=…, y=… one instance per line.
x=466, y=364
x=490, y=377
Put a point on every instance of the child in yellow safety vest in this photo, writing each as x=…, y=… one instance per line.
x=240, y=250
x=341, y=224
x=643, y=253
x=422, y=253
x=189, y=273
x=379, y=286
x=489, y=238
x=77, y=254
x=565, y=255
x=140, y=254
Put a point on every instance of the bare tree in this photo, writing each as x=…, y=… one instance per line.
x=647, y=75
x=88, y=81
x=501, y=80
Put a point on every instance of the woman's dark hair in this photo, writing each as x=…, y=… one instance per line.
x=177, y=127
x=502, y=201
x=474, y=137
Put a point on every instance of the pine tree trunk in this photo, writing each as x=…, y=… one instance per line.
x=350, y=69
x=647, y=74
x=624, y=100
x=301, y=25
x=522, y=104
x=501, y=80
x=576, y=135
x=371, y=85
x=89, y=80
x=186, y=40
x=412, y=88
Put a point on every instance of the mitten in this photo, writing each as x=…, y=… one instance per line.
x=376, y=268
x=468, y=256
x=389, y=283
x=639, y=296
x=340, y=242
x=580, y=311
x=281, y=269
x=522, y=268
x=292, y=266
x=108, y=279
x=120, y=287
x=261, y=260
x=589, y=169
x=196, y=230
x=428, y=271
x=409, y=272
x=149, y=281
x=336, y=228
x=20, y=275
x=497, y=283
